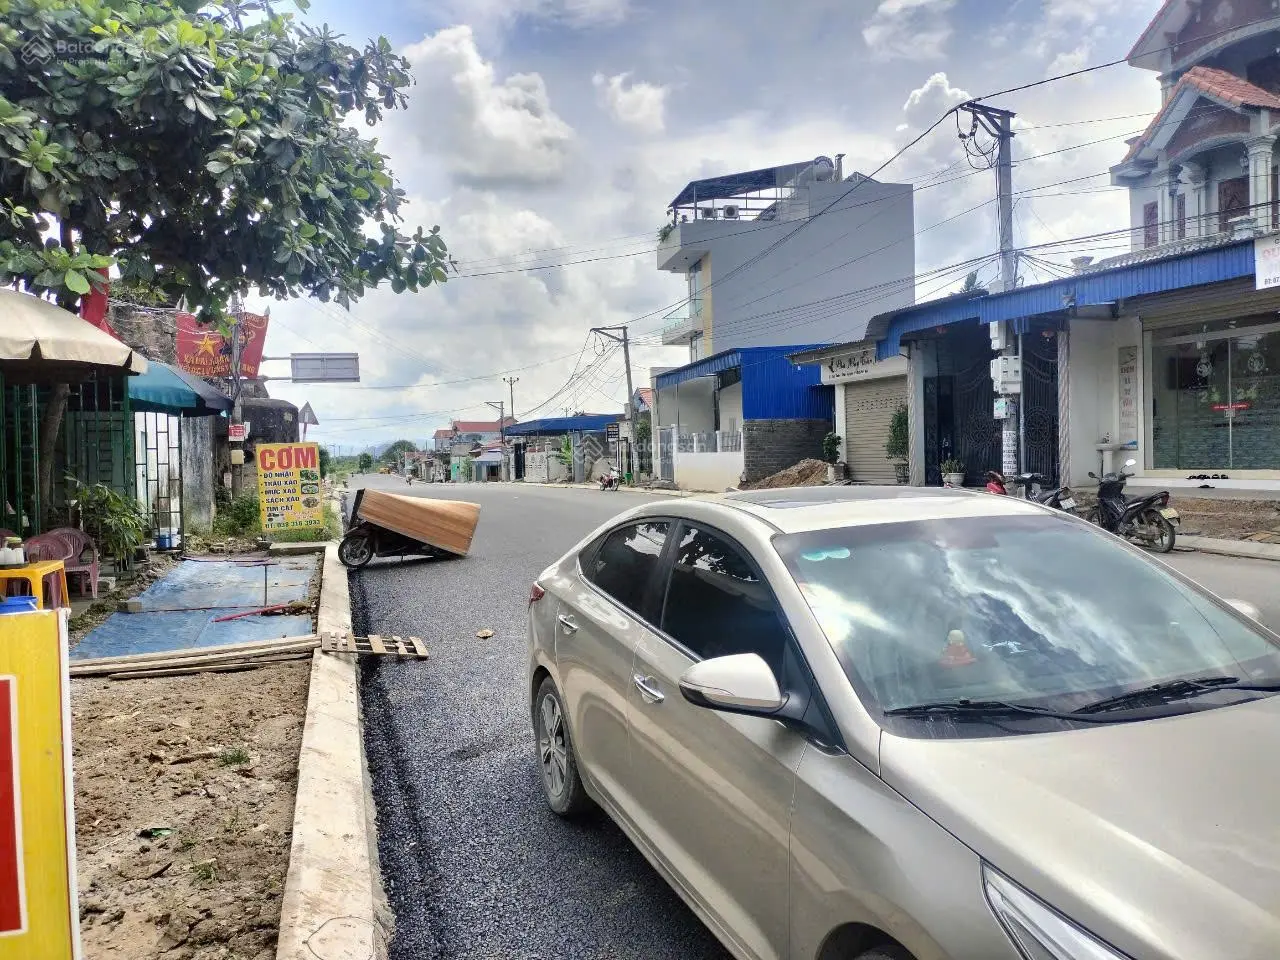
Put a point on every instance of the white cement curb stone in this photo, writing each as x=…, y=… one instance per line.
x=332, y=900
x=1232, y=548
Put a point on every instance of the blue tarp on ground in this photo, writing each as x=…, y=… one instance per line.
x=170, y=622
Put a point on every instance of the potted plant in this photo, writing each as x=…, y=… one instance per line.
x=115, y=522
x=831, y=453
x=898, y=444
x=953, y=473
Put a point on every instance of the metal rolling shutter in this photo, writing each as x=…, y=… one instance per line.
x=868, y=410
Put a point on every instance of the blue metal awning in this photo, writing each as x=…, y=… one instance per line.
x=586, y=423
x=166, y=389
x=1197, y=268
x=773, y=388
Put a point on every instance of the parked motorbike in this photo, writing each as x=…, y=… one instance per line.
x=1034, y=487
x=610, y=481
x=1148, y=520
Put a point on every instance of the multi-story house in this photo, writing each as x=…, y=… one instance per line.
x=776, y=260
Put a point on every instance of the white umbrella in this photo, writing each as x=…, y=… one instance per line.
x=35, y=330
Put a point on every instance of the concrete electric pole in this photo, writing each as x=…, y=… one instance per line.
x=613, y=334
x=1006, y=368
x=511, y=387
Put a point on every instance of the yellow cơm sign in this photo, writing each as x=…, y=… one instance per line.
x=289, y=486
x=38, y=912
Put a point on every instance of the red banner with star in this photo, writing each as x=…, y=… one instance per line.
x=202, y=350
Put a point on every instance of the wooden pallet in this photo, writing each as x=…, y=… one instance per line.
x=374, y=645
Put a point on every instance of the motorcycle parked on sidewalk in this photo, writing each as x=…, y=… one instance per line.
x=610, y=481
x=1148, y=521
x=1035, y=487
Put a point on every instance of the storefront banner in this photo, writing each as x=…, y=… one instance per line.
x=202, y=350
x=289, y=486
x=39, y=917
x=1128, y=370
x=1266, y=262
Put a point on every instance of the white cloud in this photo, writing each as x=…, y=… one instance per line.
x=576, y=13
x=489, y=130
x=908, y=29
x=933, y=96
x=635, y=104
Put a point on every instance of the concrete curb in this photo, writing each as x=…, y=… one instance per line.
x=1232, y=548
x=333, y=904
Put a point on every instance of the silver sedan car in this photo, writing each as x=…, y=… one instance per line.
x=896, y=723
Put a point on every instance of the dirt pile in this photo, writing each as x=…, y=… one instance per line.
x=806, y=473
x=184, y=811
x=1230, y=519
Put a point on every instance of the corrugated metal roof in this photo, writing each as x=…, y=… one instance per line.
x=1196, y=268
x=773, y=388
x=587, y=423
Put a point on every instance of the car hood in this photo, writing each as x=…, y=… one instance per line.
x=1161, y=836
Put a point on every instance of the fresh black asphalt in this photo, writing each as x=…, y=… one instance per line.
x=474, y=864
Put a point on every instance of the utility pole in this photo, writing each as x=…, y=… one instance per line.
x=612, y=334
x=511, y=386
x=237, y=407
x=1006, y=369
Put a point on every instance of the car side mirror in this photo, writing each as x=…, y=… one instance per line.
x=1247, y=608
x=740, y=683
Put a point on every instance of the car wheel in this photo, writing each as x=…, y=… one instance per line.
x=561, y=784
x=355, y=550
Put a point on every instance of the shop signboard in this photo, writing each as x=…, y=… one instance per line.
x=39, y=916
x=1128, y=371
x=289, y=495
x=204, y=351
x=1266, y=262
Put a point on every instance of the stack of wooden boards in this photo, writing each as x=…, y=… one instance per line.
x=175, y=663
x=447, y=525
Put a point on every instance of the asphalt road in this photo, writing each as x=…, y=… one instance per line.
x=475, y=864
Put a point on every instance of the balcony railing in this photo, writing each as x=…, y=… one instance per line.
x=719, y=441
x=683, y=323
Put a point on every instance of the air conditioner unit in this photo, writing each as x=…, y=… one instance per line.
x=707, y=213
x=730, y=211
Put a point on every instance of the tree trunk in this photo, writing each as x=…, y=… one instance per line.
x=50, y=425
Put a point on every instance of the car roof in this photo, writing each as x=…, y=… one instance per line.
x=800, y=509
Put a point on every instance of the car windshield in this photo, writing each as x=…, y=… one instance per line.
x=1035, y=610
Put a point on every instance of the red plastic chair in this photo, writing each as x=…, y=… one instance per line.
x=78, y=542
x=48, y=546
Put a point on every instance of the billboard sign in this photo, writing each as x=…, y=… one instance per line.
x=38, y=910
x=237, y=432
x=325, y=367
x=204, y=351
x=289, y=496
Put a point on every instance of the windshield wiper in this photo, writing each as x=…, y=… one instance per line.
x=981, y=709
x=1173, y=690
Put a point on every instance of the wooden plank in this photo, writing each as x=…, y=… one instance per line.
x=376, y=644
x=101, y=670
x=448, y=525
x=400, y=647
x=213, y=668
x=197, y=651
x=418, y=647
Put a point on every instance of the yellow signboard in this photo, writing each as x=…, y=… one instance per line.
x=289, y=486
x=38, y=911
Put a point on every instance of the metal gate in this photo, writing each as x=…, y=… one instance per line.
x=1040, y=404
x=959, y=416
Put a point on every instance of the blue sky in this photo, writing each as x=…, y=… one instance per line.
x=566, y=126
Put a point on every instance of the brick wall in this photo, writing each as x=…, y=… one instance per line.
x=772, y=445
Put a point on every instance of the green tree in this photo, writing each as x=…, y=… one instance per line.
x=326, y=460
x=365, y=462
x=203, y=150
x=395, y=453
x=970, y=282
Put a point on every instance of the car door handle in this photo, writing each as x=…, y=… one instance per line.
x=648, y=689
x=569, y=624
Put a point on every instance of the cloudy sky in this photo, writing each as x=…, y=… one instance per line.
x=555, y=132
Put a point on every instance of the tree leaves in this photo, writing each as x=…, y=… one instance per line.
x=204, y=145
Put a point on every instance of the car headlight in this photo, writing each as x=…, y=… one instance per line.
x=1039, y=932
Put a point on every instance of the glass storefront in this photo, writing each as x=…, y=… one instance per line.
x=1215, y=396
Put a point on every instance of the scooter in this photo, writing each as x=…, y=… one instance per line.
x=610, y=481
x=1035, y=487
x=1148, y=521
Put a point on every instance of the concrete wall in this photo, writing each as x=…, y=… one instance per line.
x=834, y=254
x=695, y=412
x=731, y=407
x=773, y=445
x=712, y=472
x=543, y=468
x=197, y=472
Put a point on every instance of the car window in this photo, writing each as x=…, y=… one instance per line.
x=624, y=563
x=1036, y=610
x=716, y=605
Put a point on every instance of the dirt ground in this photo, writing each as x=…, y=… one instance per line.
x=184, y=810
x=1229, y=519
x=806, y=473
